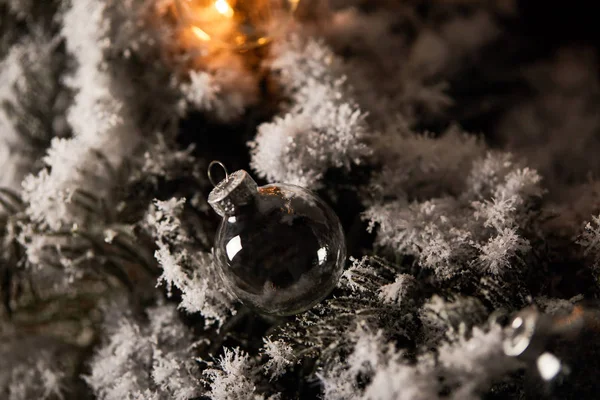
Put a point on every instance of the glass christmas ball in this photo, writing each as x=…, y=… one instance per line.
x=560, y=352
x=239, y=24
x=279, y=249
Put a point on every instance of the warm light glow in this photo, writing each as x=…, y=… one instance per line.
x=200, y=33
x=224, y=8
x=238, y=24
x=262, y=41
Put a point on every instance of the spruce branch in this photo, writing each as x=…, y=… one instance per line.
x=322, y=127
x=32, y=102
x=322, y=333
x=144, y=358
x=185, y=266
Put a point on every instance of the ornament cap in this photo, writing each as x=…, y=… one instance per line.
x=527, y=333
x=236, y=190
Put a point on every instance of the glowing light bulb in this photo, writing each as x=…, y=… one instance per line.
x=238, y=24
x=224, y=8
x=200, y=34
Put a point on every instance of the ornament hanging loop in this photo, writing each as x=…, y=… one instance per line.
x=210, y=171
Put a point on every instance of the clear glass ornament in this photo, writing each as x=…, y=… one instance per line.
x=561, y=352
x=239, y=24
x=280, y=249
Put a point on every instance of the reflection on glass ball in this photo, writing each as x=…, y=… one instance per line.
x=240, y=24
x=282, y=252
x=561, y=352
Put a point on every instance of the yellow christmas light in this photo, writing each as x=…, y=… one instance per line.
x=224, y=8
x=240, y=24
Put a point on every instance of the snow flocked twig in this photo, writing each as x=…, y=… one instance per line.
x=322, y=127
x=190, y=270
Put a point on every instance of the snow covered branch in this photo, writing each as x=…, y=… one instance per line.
x=151, y=360
x=190, y=270
x=322, y=128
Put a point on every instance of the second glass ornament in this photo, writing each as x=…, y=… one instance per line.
x=561, y=352
x=279, y=249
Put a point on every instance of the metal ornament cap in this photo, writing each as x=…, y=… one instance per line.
x=527, y=334
x=236, y=190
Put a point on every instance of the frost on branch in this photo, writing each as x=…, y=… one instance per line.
x=402, y=290
x=17, y=7
x=97, y=110
x=377, y=362
x=365, y=276
x=499, y=251
x=322, y=128
x=73, y=204
x=32, y=104
x=75, y=170
x=589, y=239
x=477, y=230
x=224, y=88
x=397, y=380
x=446, y=319
x=370, y=276
x=233, y=377
x=324, y=333
x=72, y=221
x=472, y=364
x=140, y=51
x=340, y=381
x=37, y=367
x=13, y=163
x=109, y=110
x=427, y=51
x=422, y=166
x=430, y=231
x=150, y=360
x=103, y=128
x=189, y=269
x=163, y=160
x=376, y=370
x=281, y=356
